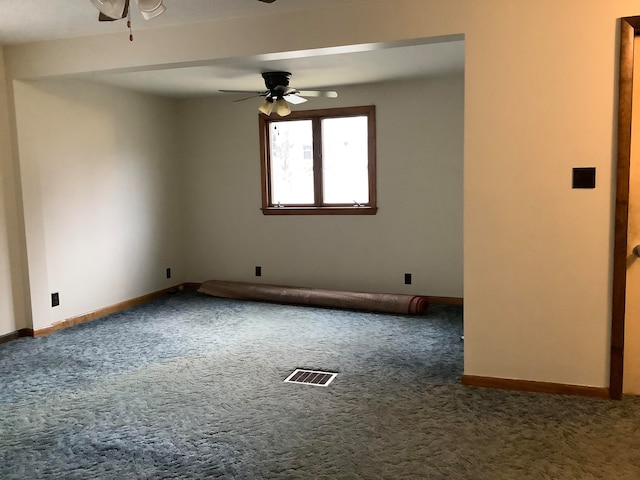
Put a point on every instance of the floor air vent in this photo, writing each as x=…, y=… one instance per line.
x=311, y=377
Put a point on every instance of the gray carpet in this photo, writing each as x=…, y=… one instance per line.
x=191, y=387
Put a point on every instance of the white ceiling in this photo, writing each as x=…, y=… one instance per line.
x=24, y=21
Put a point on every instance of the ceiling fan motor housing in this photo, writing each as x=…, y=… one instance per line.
x=276, y=79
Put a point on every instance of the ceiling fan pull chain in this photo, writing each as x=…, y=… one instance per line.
x=129, y=25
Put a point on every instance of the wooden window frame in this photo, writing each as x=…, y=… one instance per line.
x=319, y=208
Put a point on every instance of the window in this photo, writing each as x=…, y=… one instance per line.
x=319, y=162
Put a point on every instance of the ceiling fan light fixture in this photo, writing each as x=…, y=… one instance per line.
x=151, y=8
x=282, y=107
x=115, y=9
x=266, y=107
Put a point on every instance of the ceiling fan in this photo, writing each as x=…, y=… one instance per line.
x=111, y=10
x=278, y=93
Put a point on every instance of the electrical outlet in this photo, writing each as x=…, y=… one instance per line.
x=55, y=299
x=258, y=271
x=168, y=273
x=584, y=177
x=407, y=279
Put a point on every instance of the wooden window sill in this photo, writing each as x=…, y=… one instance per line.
x=319, y=210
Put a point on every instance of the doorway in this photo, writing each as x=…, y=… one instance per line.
x=625, y=266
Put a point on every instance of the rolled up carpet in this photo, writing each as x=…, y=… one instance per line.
x=374, y=302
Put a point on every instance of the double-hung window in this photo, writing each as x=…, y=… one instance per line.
x=319, y=162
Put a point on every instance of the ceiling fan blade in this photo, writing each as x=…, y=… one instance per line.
x=318, y=93
x=245, y=91
x=283, y=90
x=247, y=98
x=103, y=18
x=151, y=8
x=295, y=99
x=111, y=10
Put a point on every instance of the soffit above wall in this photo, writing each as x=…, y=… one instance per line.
x=356, y=65
x=328, y=68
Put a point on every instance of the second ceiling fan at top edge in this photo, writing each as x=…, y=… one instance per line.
x=111, y=10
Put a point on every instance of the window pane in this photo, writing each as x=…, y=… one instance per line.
x=345, y=160
x=292, y=162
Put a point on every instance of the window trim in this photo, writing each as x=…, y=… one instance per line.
x=316, y=116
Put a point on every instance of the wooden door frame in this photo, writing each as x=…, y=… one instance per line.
x=629, y=29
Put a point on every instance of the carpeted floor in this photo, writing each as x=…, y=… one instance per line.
x=191, y=387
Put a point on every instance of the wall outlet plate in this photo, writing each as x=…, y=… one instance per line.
x=584, y=177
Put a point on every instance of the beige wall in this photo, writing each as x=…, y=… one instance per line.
x=417, y=230
x=540, y=100
x=540, y=90
x=102, y=202
x=7, y=317
x=13, y=304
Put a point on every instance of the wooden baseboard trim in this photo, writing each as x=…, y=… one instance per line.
x=538, y=387
x=87, y=317
x=23, y=332
x=445, y=300
x=9, y=337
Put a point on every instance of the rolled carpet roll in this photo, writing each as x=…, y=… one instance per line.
x=374, y=302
